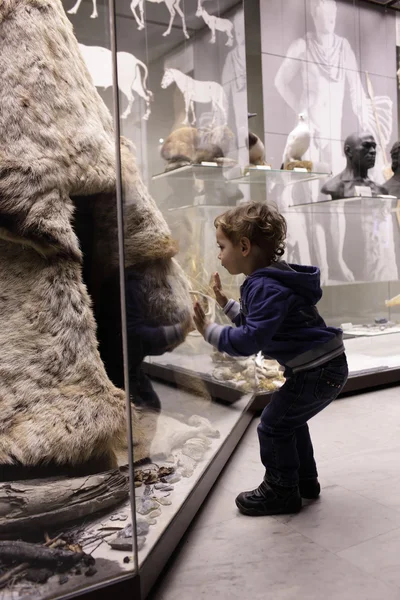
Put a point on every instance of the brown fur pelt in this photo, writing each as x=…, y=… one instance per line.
x=188, y=145
x=220, y=137
x=180, y=147
x=57, y=142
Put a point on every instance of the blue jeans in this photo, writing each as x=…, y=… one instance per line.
x=285, y=443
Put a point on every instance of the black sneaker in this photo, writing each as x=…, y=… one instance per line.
x=310, y=489
x=266, y=500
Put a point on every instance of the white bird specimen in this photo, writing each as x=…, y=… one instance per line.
x=298, y=142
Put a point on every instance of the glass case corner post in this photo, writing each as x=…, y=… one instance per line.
x=121, y=254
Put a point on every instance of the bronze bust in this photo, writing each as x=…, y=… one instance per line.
x=360, y=152
x=393, y=184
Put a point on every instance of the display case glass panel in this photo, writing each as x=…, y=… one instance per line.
x=189, y=126
x=65, y=516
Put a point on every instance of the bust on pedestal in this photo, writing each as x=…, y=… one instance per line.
x=393, y=184
x=360, y=152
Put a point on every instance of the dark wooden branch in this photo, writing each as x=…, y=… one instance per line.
x=37, y=555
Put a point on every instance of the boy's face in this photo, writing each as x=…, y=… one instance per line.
x=230, y=255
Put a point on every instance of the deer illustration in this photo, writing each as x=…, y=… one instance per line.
x=215, y=24
x=174, y=6
x=75, y=9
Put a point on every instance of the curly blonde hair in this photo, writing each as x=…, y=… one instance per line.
x=262, y=224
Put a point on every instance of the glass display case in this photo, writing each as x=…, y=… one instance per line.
x=190, y=146
x=107, y=277
x=194, y=152
x=66, y=524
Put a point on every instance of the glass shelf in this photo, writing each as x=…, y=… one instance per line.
x=262, y=175
x=387, y=203
x=205, y=171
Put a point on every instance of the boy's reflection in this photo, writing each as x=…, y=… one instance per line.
x=145, y=338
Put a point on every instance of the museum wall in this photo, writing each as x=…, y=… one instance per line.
x=330, y=85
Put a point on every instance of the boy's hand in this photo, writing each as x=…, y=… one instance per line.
x=219, y=294
x=200, y=319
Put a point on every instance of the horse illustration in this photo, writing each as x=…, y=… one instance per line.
x=215, y=24
x=132, y=74
x=75, y=9
x=197, y=91
x=174, y=6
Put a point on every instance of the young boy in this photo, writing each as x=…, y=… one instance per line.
x=277, y=315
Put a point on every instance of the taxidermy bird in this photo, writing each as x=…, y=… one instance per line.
x=255, y=146
x=297, y=143
x=256, y=150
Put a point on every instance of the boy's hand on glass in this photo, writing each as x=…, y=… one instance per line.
x=200, y=319
x=217, y=288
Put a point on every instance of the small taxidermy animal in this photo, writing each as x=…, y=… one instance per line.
x=256, y=150
x=179, y=149
x=188, y=145
x=297, y=143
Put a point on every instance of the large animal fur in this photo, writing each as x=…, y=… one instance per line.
x=56, y=145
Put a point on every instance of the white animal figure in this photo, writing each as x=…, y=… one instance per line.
x=132, y=74
x=75, y=9
x=215, y=24
x=298, y=141
x=197, y=91
x=174, y=6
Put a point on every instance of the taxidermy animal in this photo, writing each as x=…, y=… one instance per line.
x=57, y=404
x=298, y=142
x=132, y=75
x=256, y=150
x=188, y=145
x=75, y=9
x=174, y=6
x=215, y=24
x=221, y=136
x=180, y=147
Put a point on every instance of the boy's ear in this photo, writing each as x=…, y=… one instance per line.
x=245, y=246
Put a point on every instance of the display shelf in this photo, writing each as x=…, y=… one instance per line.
x=353, y=331
x=194, y=366
x=356, y=202
x=262, y=175
x=192, y=380
x=205, y=171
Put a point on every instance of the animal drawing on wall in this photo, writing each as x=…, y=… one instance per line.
x=215, y=24
x=174, y=6
x=132, y=75
x=204, y=92
x=76, y=6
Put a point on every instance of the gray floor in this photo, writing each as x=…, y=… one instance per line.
x=345, y=546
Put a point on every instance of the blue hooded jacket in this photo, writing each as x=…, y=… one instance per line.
x=278, y=315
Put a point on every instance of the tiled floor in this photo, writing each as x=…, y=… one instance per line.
x=345, y=546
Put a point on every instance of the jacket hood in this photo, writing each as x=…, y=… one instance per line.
x=301, y=280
